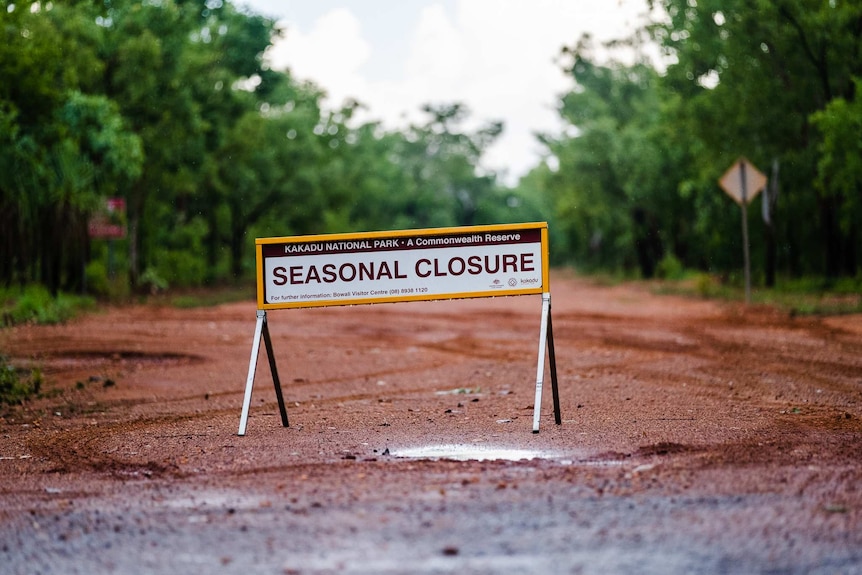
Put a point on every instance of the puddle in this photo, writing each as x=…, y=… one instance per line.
x=215, y=499
x=461, y=452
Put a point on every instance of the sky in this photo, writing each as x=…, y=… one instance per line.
x=498, y=57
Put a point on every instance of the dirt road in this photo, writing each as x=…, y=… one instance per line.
x=697, y=437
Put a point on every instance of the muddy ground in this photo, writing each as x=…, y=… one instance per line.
x=697, y=437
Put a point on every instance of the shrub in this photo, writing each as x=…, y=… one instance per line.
x=96, y=275
x=670, y=268
x=14, y=386
x=153, y=281
x=35, y=304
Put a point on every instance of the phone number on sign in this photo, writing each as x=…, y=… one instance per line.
x=408, y=291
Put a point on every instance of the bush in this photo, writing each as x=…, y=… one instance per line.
x=670, y=268
x=154, y=282
x=705, y=285
x=182, y=268
x=14, y=387
x=100, y=284
x=179, y=259
x=35, y=304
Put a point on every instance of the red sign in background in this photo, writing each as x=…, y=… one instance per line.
x=109, y=223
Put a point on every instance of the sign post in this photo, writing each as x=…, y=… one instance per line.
x=109, y=223
x=742, y=182
x=400, y=266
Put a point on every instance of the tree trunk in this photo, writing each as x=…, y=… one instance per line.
x=212, y=246
x=831, y=237
x=136, y=208
x=237, y=238
x=647, y=240
x=771, y=255
x=770, y=201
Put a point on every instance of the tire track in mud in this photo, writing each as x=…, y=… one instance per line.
x=795, y=390
x=726, y=346
x=86, y=449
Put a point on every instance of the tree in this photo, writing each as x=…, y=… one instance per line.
x=752, y=74
x=442, y=160
x=62, y=150
x=614, y=191
x=839, y=169
x=266, y=166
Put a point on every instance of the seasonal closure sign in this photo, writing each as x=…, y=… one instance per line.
x=403, y=265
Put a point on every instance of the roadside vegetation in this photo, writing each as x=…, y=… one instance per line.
x=18, y=385
x=207, y=297
x=803, y=296
x=163, y=123
x=35, y=304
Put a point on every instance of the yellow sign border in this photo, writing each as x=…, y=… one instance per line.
x=260, y=242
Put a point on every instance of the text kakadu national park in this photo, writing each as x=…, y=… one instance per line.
x=340, y=270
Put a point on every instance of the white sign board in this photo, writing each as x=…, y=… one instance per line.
x=742, y=179
x=405, y=265
x=376, y=267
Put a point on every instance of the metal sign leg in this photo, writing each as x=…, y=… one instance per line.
x=553, y=361
x=540, y=370
x=275, y=381
x=546, y=342
x=261, y=329
x=252, y=367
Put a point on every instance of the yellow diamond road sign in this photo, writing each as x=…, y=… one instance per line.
x=742, y=180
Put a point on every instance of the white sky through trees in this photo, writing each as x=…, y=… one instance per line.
x=499, y=57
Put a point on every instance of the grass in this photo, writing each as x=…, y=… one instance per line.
x=35, y=304
x=18, y=385
x=31, y=304
x=209, y=297
x=807, y=296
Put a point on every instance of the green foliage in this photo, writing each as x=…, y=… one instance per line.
x=635, y=181
x=705, y=285
x=96, y=275
x=670, y=268
x=800, y=296
x=101, y=274
x=839, y=169
x=615, y=209
x=35, y=304
x=212, y=297
x=170, y=106
x=17, y=385
x=153, y=282
x=178, y=260
x=753, y=74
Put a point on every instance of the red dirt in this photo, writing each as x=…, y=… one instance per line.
x=697, y=437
